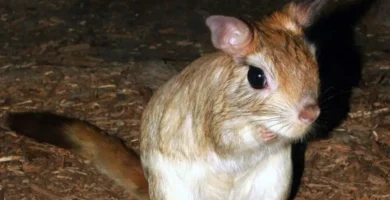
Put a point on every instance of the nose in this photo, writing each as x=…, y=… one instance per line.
x=309, y=113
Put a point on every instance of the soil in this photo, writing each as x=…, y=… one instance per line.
x=102, y=60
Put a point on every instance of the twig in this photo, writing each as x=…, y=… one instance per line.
x=366, y=114
x=11, y=133
x=105, y=86
x=385, y=196
x=24, y=102
x=77, y=172
x=10, y=158
x=376, y=137
x=43, y=192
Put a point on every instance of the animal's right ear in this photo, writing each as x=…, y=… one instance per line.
x=304, y=13
x=230, y=35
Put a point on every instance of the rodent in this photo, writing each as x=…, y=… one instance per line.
x=220, y=129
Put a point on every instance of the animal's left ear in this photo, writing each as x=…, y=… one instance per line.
x=305, y=13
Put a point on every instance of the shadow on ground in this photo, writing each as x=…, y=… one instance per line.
x=340, y=64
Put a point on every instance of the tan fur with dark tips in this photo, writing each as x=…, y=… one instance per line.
x=108, y=154
x=201, y=133
x=201, y=112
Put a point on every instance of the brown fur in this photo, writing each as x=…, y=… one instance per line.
x=202, y=110
x=107, y=153
x=296, y=71
x=213, y=90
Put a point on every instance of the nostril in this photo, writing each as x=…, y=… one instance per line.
x=309, y=113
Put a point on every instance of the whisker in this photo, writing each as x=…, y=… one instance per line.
x=288, y=125
x=333, y=96
x=327, y=90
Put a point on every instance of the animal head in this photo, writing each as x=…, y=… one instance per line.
x=275, y=81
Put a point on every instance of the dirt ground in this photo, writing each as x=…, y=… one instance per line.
x=101, y=61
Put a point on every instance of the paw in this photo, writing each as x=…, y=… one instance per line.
x=267, y=135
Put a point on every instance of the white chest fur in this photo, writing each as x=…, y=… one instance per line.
x=265, y=178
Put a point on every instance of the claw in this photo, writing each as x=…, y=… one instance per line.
x=267, y=135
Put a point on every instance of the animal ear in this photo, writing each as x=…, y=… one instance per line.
x=230, y=35
x=305, y=13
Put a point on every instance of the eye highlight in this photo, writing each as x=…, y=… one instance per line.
x=256, y=77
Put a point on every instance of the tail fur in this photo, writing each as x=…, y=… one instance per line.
x=109, y=155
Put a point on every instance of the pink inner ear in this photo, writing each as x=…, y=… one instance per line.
x=229, y=34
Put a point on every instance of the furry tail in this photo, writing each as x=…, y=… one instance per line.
x=109, y=155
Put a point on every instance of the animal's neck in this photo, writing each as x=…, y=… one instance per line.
x=243, y=161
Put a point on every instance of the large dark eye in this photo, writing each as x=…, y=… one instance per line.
x=256, y=77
